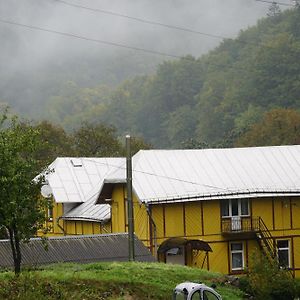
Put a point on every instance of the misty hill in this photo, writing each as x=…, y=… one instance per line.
x=218, y=95
x=188, y=102
x=40, y=72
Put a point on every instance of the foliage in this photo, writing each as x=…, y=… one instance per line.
x=116, y=280
x=278, y=127
x=22, y=213
x=267, y=281
x=96, y=140
x=54, y=142
x=101, y=140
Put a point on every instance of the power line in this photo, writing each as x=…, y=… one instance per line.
x=143, y=20
x=275, y=2
x=159, y=23
x=91, y=39
x=157, y=175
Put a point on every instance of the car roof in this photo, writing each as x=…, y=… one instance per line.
x=191, y=286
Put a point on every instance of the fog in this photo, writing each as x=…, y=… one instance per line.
x=26, y=53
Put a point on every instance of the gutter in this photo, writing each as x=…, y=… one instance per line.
x=154, y=230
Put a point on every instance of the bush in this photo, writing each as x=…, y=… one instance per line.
x=267, y=281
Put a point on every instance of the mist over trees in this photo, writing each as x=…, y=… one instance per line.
x=200, y=100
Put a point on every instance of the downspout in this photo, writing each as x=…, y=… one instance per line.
x=59, y=226
x=152, y=223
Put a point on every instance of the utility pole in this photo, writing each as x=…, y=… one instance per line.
x=129, y=200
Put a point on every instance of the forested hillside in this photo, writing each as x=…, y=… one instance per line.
x=222, y=98
x=215, y=99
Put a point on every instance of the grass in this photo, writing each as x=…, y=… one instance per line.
x=113, y=281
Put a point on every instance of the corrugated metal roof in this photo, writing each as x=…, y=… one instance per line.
x=78, y=180
x=82, y=249
x=88, y=211
x=177, y=175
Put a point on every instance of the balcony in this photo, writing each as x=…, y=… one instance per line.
x=240, y=225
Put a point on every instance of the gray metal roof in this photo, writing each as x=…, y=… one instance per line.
x=82, y=249
x=88, y=211
x=178, y=175
x=78, y=180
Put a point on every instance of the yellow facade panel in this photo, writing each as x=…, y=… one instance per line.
x=218, y=259
x=87, y=228
x=193, y=219
x=70, y=227
x=282, y=212
x=118, y=209
x=103, y=228
x=157, y=213
x=141, y=223
x=295, y=208
x=296, y=250
x=263, y=208
x=211, y=217
x=174, y=220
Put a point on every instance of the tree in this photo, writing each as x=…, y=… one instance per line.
x=97, y=140
x=138, y=143
x=54, y=142
x=274, y=10
x=278, y=127
x=22, y=211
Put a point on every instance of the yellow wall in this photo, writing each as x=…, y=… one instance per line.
x=119, y=221
x=196, y=220
x=193, y=219
x=68, y=227
x=263, y=208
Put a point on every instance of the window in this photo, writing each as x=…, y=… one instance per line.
x=50, y=213
x=283, y=253
x=237, y=256
x=235, y=207
x=207, y=295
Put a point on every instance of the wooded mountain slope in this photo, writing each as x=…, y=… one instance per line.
x=215, y=99
x=210, y=101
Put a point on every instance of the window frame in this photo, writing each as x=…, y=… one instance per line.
x=288, y=249
x=229, y=201
x=50, y=211
x=237, y=252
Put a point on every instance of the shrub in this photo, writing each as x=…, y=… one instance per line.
x=267, y=281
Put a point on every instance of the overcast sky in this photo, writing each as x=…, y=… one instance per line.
x=217, y=17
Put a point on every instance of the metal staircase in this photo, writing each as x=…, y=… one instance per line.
x=265, y=240
x=267, y=243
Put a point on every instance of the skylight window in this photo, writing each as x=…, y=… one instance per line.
x=76, y=162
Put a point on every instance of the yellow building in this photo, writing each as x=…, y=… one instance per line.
x=72, y=185
x=212, y=208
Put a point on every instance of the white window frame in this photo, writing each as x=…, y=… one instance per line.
x=50, y=212
x=239, y=208
x=237, y=252
x=284, y=249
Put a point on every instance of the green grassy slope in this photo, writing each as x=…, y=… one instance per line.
x=107, y=281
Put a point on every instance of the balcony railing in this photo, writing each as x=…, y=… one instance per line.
x=240, y=224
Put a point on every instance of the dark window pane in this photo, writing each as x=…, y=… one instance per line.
x=237, y=261
x=225, y=208
x=283, y=244
x=234, y=207
x=283, y=258
x=244, y=207
x=236, y=246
